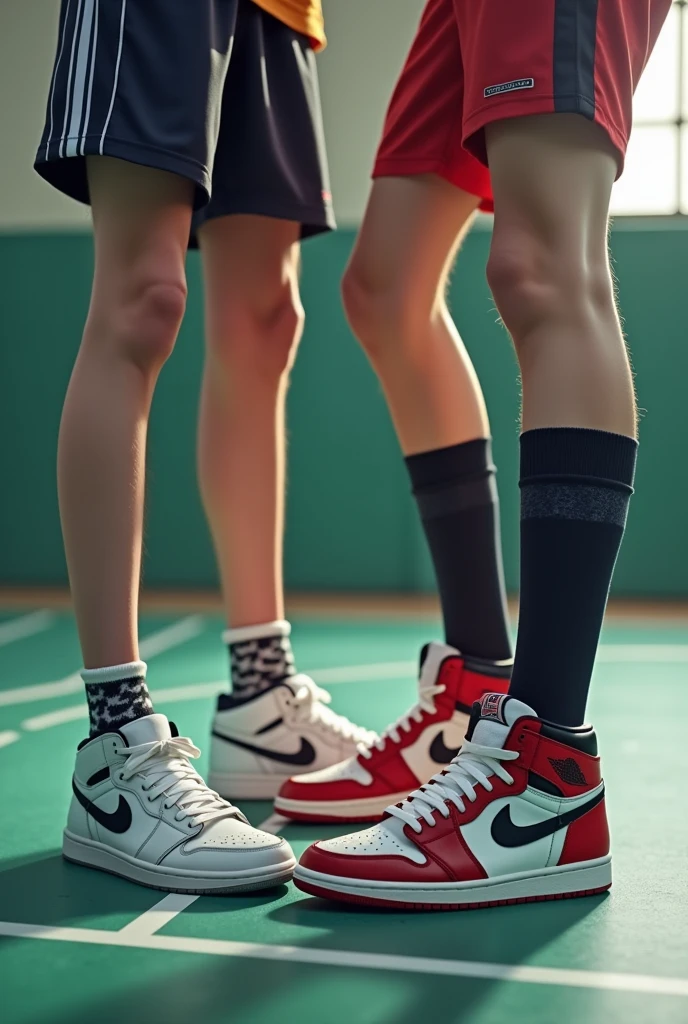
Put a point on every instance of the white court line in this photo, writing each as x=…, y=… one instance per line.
x=363, y=673
x=601, y=980
x=608, y=653
x=42, y=691
x=181, y=693
x=176, y=694
x=390, y=670
x=10, y=736
x=645, y=653
x=273, y=824
x=25, y=625
x=52, y=718
x=171, y=636
x=158, y=916
x=76, y=711
x=156, y=643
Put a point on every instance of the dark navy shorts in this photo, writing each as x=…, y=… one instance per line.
x=218, y=91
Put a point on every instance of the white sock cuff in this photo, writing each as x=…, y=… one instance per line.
x=115, y=673
x=280, y=627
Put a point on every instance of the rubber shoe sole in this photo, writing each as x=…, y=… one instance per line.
x=572, y=880
x=90, y=854
x=246, y=787
x=370, y=809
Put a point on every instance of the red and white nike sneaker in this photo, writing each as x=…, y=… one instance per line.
x=519, y=815
x=408, y=753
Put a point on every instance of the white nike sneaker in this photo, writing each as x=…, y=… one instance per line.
x=261, y=742
x=141, y=811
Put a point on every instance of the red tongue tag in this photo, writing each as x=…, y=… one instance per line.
x=492, y=706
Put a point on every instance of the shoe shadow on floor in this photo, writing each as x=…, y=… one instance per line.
x=43, y=888
x=178, y=987
x=497, y=934
x=501, y=935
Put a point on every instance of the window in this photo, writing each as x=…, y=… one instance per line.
x=655, y=179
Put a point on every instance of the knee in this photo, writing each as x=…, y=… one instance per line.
x=148, y=321
x=535, y=284
x=384, y=313
x=257, y=336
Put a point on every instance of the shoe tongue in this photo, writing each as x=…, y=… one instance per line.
x=146, y=730
x=431, y=658
x=493, y=716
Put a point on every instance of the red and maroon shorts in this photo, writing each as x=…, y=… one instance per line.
x=477, y=61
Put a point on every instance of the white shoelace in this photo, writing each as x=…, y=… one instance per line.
x=425, y=705
x=165, y=766
x=456, y=784
x=311, y=703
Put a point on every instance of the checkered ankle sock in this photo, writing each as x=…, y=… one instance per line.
x=116, y=695
x=259, y=657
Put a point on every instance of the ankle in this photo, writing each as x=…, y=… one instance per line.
x=116, y=695
x=260, y=657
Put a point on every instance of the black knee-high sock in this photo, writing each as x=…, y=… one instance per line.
x=575, y=488
x=457, y=499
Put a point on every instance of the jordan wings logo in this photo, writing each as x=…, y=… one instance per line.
x=569, y=771
x=118, y=821
x=305, y=755
x=506, y=833
x=440, y=753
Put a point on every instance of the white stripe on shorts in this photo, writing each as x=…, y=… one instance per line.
x=80, y=73
x=69, y=84
x=90, y=82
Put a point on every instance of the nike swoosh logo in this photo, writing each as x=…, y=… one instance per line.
x=119, y=821
x=440, y=753
x=506, y=833
x=304, y=756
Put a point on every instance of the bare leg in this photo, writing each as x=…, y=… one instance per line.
x=141, y=219
x=394, y=293
x=549, y=271
x=254, y=320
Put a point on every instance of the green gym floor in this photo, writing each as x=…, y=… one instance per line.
x=77, y=945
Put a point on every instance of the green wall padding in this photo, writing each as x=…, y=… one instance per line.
x=351, y=523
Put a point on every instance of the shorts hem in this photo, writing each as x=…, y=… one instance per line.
x=314, y=220
x=404, y=167
x=574, y=104
x=68, y=173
